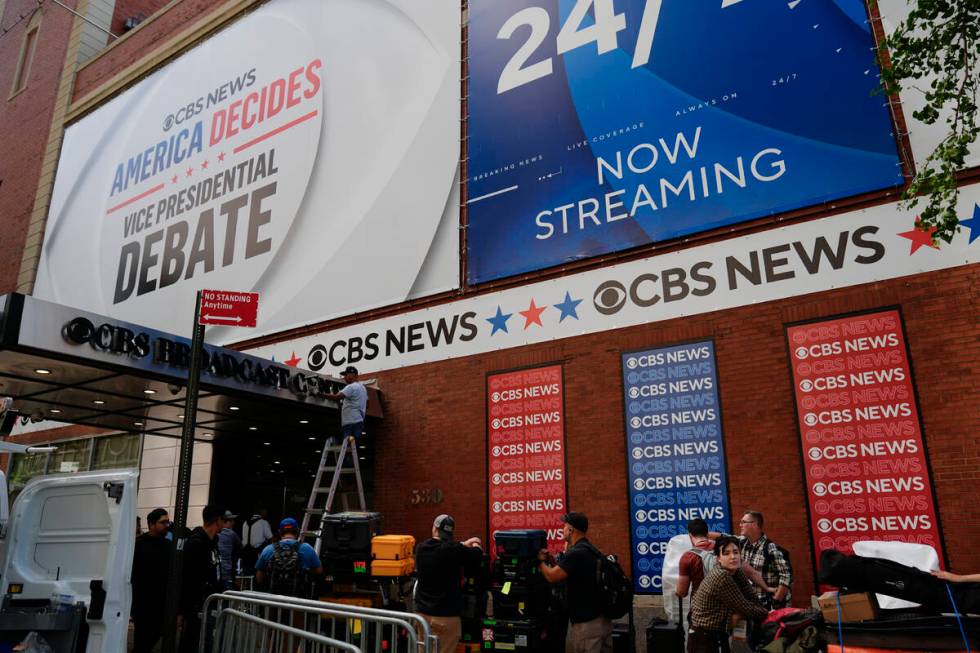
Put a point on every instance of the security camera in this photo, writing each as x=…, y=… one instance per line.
x=174, y=389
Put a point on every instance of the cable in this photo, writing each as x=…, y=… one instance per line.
x=840, y=627
x=959, y=621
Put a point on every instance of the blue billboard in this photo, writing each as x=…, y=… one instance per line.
x=676, y=451
x=600, y=125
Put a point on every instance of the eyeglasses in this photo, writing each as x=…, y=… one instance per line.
x=747, y=521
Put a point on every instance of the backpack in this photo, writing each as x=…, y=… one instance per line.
x=708, y=559
x=770, y=558
x=284, y=570
x=615, y=587
x=788, y=623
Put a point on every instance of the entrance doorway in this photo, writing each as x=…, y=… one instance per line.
x=251, y=471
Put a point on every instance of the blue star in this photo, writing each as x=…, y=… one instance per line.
x=973, y=224
x=568, y=307
x=499, y=321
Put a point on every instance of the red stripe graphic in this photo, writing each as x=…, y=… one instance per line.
x=134, y=199
x=277, y=130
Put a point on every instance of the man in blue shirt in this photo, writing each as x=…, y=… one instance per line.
x=288, y=566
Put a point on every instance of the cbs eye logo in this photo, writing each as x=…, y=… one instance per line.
x=609, y=297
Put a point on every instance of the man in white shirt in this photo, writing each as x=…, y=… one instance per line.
x=256, y=534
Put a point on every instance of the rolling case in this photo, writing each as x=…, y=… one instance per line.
x=350, y=533
x=392, y=547
x=396, y=568
x=520, y=543
x=518, y=636
x=521, y=602
x=666, y=637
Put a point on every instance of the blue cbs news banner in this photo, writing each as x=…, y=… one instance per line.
x=600, y=125
x=676, y=452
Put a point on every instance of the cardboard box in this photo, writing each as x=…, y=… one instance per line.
x=853, y=607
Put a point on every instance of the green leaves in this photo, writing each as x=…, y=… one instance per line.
x=939, y=38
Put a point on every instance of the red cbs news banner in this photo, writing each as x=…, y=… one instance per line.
x=863, y=454
x=526, y=452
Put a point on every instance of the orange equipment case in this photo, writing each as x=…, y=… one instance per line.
x=392, y=567
x=392, y=547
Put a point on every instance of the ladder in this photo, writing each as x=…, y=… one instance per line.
x=331, y=462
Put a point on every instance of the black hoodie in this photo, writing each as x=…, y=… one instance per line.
x=202, y=571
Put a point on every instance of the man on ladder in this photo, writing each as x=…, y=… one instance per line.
x=353, y=404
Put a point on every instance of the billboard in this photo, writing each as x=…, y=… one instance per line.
x=600, y=125
x=676, y=451
x=864, y=456
x=840, y=251
x=319, y=169
x=526, y=452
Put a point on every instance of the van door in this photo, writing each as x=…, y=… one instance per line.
x=72, y=537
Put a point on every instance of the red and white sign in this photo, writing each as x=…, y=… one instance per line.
x=229, y=308
x=526, y=450
x=863, y=453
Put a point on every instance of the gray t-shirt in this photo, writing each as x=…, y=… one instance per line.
x=354, y=405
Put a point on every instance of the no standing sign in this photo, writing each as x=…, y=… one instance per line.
x=229, y=308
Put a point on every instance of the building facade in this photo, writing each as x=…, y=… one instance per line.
x=836, y=346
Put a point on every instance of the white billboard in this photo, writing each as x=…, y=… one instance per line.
x=308, y=152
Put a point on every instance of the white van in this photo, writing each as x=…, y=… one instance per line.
x=66, y=554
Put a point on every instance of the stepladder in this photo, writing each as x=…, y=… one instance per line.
x=336, y=461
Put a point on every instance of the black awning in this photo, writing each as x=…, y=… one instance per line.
x=68, y=365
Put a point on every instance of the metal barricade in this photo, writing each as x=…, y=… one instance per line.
x=240, y=632
x=368, y=630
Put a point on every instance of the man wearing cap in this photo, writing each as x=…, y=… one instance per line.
x=229, y=548
x=588, y=631
x=288, y=565
x=353, y=404
x=439, y=594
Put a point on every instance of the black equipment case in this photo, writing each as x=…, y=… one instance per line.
x=349, y=534
x=520, y=543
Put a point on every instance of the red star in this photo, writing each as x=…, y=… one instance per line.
x=174, y=179
x=221, y=157
x=294, y=361
x=533, y=314
x=920, y=238
x=204, y=166
x=190, y=171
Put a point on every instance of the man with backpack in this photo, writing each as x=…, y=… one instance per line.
x=590, y=629
x=700, y=560
x=288, y=566
x=256, y=534
x=768, y=558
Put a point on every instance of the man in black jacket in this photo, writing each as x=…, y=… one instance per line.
x=201, y=576
x=151, y=572
x=439, y=595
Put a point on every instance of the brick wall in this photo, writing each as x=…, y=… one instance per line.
x=25, y=120
x=433, y=435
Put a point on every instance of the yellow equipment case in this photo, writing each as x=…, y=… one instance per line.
x=392, y=547
x=392, y=567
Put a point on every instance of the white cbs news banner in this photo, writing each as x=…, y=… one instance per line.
x=308, y=152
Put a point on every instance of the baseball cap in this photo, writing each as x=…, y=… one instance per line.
x=576, y=520
x=229, y=515
x=288, y=524
x=445, y=525
x=350, y=369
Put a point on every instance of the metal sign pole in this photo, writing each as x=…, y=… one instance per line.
x=183, y=484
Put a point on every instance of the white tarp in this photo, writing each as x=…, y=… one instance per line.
x=309, y=152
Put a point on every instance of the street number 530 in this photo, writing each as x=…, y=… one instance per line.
x=572, y=35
